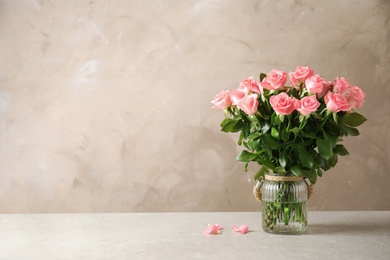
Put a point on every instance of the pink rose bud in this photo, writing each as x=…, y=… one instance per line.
x=283, y=104
x=300, y=75
x=275, y=79
x=336, y=102
x=308, y=105
x=249, y=104
x=221, y=100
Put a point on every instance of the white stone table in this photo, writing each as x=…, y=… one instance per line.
x=331, y=235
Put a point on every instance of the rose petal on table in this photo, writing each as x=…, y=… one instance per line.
x=242, y=229
x=219, y=227
x=213, y=229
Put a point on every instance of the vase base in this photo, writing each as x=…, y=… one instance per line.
x=286, y=230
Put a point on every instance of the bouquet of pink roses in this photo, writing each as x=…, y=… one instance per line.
x=291, y=129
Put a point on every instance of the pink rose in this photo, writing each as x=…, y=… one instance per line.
x=341, y=86
x=221, y=100
x=275, y=79
x=336, y=102
x=283, y=104
x=236, y=95
x=356, y=97
x=249, y=104
x=314, y=84
x=307, y=105
x=326, y=86
x=249, y=85
x=300, y=75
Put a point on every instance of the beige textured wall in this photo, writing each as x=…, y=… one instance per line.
x=105, y=105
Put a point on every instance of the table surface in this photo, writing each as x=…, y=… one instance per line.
x=331, y=235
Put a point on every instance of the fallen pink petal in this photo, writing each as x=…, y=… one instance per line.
x=242, y=229
x=219, y=227
x=213, y=229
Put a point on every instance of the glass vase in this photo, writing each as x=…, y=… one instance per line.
x=284, y=204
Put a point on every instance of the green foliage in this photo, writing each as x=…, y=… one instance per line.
x=292, y=144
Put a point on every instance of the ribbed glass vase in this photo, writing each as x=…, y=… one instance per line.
x=284, y=205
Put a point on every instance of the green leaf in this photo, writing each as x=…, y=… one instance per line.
x=325, y=148
x=252, y=121
x=325, y=164
x=245, y=130
x=283, y=159
x=266, y=127
x=312, y=176
x=266, y=162
x=340, y=150
x=296, y=170
x=354, y=119
x=294, y=92
x=245, y=156
x=285, y=135
x=319, y=172
x=280, y=170
x=335, y=131
x=351, y=131
x=260, y=173
x=224, y=122
x=262, y=76
x=270, y=141
x=239, y=142
x=306, y=158
x=295, y=130
x=333, y=160
x=276, y=119
x=232, y=126
x=254, y=135
x=255, y=145
x=308, y=134
x=331, y=138
x=275, y=132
